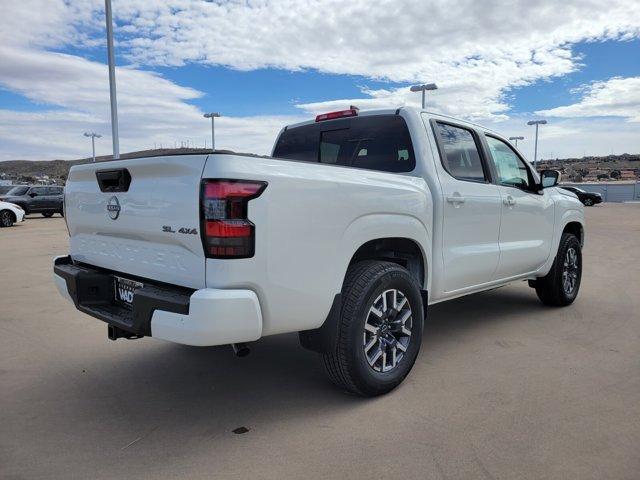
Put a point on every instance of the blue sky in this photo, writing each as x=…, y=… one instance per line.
x=599, y=62
x=264, y=64
x=272, y=91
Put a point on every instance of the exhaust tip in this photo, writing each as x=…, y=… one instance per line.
x=241, y=349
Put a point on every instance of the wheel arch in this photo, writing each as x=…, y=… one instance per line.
x=571, y=220
x=404, y=251
x=576, y=228
x=401, y=250
x=401, y=239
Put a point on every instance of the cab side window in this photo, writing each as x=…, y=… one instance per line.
x=38, y=191
x=461, y=155
x=511, y=169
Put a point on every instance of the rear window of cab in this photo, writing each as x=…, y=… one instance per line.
x=377, y=142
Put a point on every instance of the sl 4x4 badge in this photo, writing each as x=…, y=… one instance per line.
x=183, y=230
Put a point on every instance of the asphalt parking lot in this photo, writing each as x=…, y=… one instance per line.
x=504, y=387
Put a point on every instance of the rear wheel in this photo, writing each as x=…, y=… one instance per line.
x=7, y=218
x=560, y=286
x=379, y=330
x=47, y=214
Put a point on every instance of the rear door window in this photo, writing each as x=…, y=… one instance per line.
x=18, y=191
x=460, y=153
x=380, y=142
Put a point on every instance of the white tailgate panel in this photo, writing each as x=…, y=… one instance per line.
x=164, y=191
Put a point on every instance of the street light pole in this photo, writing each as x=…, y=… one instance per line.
x=93, y=136
x=112, y=80
x=212, y=116
x=535, y=149
x=423, y=88
x=516, y=139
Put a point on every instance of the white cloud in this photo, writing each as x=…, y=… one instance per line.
x=399, y=40
x=58, y=134
x=476, y=52
x=572, y=137
x=152, y=110
x=619, y=97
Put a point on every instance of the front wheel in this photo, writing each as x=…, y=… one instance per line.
x=379, y=330
x=560, y=286
x=47, y=214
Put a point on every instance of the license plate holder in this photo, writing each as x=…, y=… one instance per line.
x=123, y=290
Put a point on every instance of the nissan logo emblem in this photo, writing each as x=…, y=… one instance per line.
x=113, y=207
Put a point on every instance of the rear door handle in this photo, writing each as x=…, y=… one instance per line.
x=457, y=200
x=510, y=201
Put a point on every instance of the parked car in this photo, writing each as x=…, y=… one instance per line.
x=588, y=199
x=43, y=199
x=10, y=214
x=356, y=224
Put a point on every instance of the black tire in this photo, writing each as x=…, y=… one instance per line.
x=588, y=202
x=7, y=218
x=348, y=366
x=551, y=288
x=47, y=214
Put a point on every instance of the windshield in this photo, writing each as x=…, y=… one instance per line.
x=5, y=188
x=17, y=191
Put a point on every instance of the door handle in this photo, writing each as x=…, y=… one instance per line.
x=457, y=200
x=509, y=201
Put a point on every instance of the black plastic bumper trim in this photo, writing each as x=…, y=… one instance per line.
x=92, y=291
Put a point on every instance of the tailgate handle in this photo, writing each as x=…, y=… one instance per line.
x=114, y=180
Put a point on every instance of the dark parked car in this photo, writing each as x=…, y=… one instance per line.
x=44, y=199
x=587, y=198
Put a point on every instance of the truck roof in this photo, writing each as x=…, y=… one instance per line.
x=392, y=111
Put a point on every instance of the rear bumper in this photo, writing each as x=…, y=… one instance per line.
x=202, y=317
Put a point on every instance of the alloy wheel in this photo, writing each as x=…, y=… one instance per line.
x=387, y=330
x=6, y=219
x=570, y=271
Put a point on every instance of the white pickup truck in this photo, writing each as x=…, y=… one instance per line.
x=355, y=224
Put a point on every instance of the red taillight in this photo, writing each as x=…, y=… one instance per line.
x=352, y=112
x=227, y=232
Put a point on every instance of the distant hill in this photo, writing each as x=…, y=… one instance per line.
x=28, y=168
x=27, y=171
x=59, y=169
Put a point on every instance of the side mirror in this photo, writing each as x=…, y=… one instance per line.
x=32, y=194
x=549, y=178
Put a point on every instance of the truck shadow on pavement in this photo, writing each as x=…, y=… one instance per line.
x=145, y=388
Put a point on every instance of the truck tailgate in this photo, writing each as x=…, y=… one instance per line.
x=150, y=229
